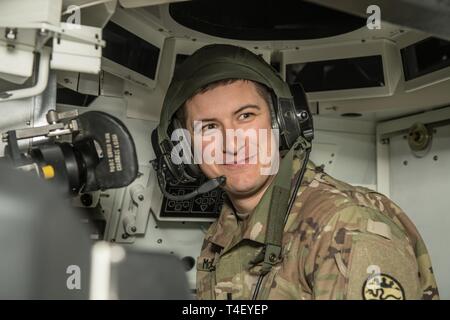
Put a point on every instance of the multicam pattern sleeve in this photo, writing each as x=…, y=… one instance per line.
x=360, y=245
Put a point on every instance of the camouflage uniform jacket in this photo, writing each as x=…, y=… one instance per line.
x=339, y=242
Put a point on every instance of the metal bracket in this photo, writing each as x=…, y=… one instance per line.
x=135, y=209
x=54, y=129
x=41, y=84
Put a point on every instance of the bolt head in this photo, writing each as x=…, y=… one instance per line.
x=11, y=34
x=304, y=115
x=272, y=258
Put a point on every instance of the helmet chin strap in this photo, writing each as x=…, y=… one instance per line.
x=300, y=146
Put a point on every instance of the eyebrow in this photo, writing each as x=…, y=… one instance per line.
x=251, y=106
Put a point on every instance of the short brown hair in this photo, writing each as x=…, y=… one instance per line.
x=262, y=90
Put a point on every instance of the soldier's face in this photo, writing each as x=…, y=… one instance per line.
x=233, y=108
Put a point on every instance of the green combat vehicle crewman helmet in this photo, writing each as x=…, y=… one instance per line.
x=212, y=63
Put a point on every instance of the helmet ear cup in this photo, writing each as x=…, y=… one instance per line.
x=186, y=171
x=191, y=169
x=302, y=111
x=293, y=118
x=163, y=159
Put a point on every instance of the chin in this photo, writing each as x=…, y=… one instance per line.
x=243, y=186
x=240, y=190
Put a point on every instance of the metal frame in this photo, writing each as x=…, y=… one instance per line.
x=38, y=88
x=427, y=79
x=386, y=48
x=385, y=130
x=431, y=16
x=133, y=22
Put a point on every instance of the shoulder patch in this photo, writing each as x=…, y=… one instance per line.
x=381, y=269
x=382, y=287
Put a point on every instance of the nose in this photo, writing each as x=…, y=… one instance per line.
x=236, y=145
x=230, y=147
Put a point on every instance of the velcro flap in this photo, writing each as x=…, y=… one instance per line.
x=379, y=228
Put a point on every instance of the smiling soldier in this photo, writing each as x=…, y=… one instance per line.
x=296, y=233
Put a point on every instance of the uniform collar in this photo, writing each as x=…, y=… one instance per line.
x=220, y=233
